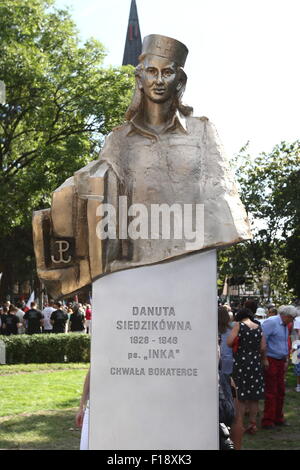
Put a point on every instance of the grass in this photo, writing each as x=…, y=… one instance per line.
x=280, y=438
x=41, y=391
x=52, y=430
x=38, y=403
x=21, y=368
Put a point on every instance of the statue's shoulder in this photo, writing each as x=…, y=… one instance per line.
x=198, y=121
x=201, y=118
x=202, y=126
x=121, y=130
x=198, y=125
x=116, y=137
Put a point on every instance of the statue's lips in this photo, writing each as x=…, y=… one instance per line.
x=159, y=91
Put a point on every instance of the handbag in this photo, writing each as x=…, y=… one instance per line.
x=235, y=344
x=226, y=403
x=225, y=443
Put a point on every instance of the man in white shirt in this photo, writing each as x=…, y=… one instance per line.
x=22, y=327
x=47, y=314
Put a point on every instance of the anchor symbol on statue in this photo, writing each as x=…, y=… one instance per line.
x=63, y=247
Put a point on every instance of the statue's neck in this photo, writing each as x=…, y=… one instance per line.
x=157, y=116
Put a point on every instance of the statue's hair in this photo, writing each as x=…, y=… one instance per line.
x=137, y=99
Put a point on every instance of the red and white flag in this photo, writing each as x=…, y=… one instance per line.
x=31, y=299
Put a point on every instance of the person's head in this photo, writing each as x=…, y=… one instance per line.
x=12, y=308
x=243, y=314
x=227, y=307
x=33, y=305
x=288, y=313
x=272, y=312
x=159, y=75
x=58, y=304
x=223, y=319
x=270, y=306
x=260, y=313
x=7, y=304
x=76, y=307
x=251, y=305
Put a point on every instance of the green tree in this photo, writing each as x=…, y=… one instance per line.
x=269, y=188
x=60, y=103
x=293, y=256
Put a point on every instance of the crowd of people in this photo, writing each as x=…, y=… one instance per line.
x=55, y=317
x=256, y=347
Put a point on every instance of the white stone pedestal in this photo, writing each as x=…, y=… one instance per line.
x=154, y=382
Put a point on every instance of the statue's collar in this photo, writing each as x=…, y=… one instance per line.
x=177, y=125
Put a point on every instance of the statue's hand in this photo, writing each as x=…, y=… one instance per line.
x=61, y=242
x=68, y=253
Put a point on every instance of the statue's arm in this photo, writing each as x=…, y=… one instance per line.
x=225, y=218
x=69, y=254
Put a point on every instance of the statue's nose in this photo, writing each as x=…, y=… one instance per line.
x=159, y=78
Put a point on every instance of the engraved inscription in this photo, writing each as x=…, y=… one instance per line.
x=156, y=333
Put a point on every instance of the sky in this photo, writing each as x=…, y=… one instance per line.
x=243, y=65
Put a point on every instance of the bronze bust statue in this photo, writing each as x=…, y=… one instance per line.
x=161, y=162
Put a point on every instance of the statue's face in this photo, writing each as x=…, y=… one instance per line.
x=159, y=79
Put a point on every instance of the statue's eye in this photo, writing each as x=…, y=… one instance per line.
x=167, y=72
x=152, y=70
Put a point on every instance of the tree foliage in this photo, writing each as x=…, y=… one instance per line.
x=269, y=188
x=60, y=103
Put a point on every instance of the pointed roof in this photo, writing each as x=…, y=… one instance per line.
x=133, y=44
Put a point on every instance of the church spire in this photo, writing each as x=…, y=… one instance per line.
x=133, y=44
